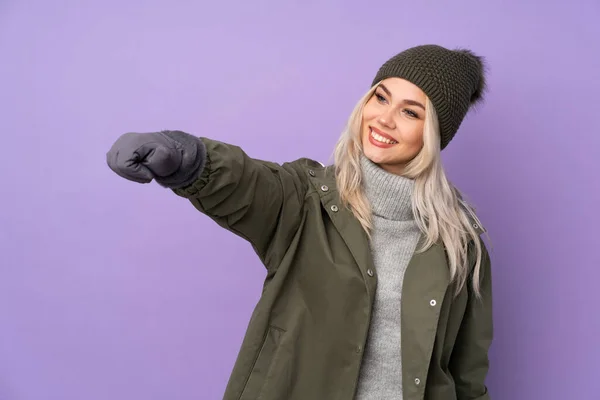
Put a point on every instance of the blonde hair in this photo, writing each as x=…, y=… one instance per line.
x=439, y=209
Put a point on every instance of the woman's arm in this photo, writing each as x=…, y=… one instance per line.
x=257, y=200
x=260, y=201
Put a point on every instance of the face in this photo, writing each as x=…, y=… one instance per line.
x=392, y=124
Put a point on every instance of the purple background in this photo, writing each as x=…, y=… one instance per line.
x=115, y=290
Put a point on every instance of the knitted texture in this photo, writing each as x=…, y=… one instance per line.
x=394, y=240
x=454, y=80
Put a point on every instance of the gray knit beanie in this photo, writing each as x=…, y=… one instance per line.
x=454, y=80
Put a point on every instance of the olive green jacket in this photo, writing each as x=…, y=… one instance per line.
x=306, y=336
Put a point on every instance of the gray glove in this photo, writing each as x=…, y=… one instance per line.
x=173, y=158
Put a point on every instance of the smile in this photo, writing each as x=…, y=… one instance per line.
x=380, y=138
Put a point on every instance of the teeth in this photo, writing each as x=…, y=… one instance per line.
x=381, y=139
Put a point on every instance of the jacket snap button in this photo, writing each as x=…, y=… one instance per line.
x=358, y=349
x=432, y=303
x=324, y=188
x=417, y=381
x=334, y=208
x=311, y=172
x=370, y=272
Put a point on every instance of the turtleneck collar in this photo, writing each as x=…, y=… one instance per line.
x=390, y=195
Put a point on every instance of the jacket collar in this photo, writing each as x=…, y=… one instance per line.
x=320, y=175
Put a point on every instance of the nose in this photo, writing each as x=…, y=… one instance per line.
x=387, y=119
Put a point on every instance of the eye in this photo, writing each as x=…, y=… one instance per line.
x=380, y=98
x=411, y=113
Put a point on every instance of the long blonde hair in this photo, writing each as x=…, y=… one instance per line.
x=439, y=208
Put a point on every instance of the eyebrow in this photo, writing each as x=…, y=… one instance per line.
x=407, y=101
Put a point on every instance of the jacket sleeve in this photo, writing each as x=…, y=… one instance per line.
x=260, y=201
x=469, y=363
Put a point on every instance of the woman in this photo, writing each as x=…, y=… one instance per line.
x=378, y=285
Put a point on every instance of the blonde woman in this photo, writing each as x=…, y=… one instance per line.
x=378, y=284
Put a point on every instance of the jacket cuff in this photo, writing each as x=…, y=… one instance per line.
x=200, y=178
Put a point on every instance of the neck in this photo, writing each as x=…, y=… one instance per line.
x=390, y=194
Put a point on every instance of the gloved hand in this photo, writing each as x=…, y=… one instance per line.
x=173, y=158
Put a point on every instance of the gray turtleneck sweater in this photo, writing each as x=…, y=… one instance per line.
x=394, y=240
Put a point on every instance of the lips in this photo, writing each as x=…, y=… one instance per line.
x=380, y=133
x=381, y=140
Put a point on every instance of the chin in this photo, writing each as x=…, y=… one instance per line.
x=388, y=162
x=375, y=154
x=378, y=159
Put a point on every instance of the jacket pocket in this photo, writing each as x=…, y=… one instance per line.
x=260, y=370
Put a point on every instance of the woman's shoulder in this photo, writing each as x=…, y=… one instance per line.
x=316, y=176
